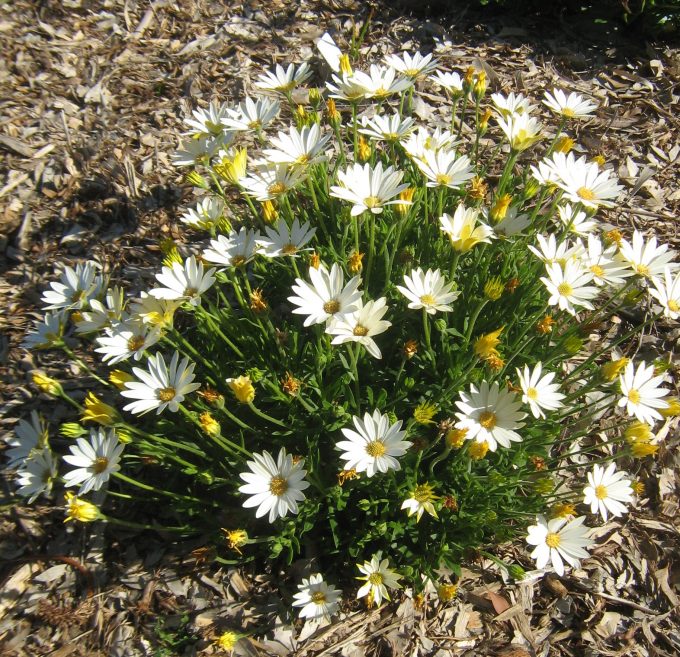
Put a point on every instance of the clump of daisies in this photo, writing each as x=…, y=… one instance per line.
x=384, y=338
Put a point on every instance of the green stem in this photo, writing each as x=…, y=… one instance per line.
x=157, y=491
x=264, y=416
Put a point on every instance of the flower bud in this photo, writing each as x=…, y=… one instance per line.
x=493, y=289
x=242, y=388
x=269, y=212
x=354, y=262
x=47, y=384
x=516, y=572
x=564, y=144
x=197, y=180
x=80, y=510
x=72, y=430
x=500, y=208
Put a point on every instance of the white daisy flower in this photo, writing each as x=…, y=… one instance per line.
x=326, y=297
x=491, y=415
x=608, y=491
x=512, y=224
x=102, y=315
x=201, y=150
x=451, y=82
x=557, y=541
x=569, y=286
x=583, y=182
x=422, y=141
x=573, y=106
x=642, y=395
x=369, y=188
x=546, y=173
x=576, y=220
x=272, y=182
x=412, y=66
x=345, y=87
x=274, y=487
x=283, y=80
x=157, y=312
x=207, y=214
x=127, y=339
x=302, y=147
x=667, y=293
x=387, y=128
x=374, y=446
x=361, y=325
x=252, y=115
x=284, y=241
x=329, y=51
x=604, y=265
x=463, y=228
x=46, y=333
x=539, y=391
x=317, y=599
x=521, y=130
x=379, y=578
x=95, y=460
x=429, y=291
x=75, y=288
x=186, y=281
x=422, y=499
x=28, y=437
x=511, y=104
x=645, y=257
x=37, y=474
x=550, y=251
x=444, y=168
x=160, y=386
x=380, y=82
x=233, y=250
x=207, y=122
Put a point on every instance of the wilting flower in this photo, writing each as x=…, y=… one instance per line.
x=28, y=436
x=558, y=540
x=428, y=290
x=317, y=599
x=379, y=578
x=608, y=490
x=95, y=460
x=485, y=345
x=274, y=487
x=642, y=395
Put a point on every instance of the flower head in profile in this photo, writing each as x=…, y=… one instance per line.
x=282, y=240
x=412, y=66
x=428, y=291
x=521, y=130
x=576, y=220
x=444, y=168
x=283, y=80
x=317, y=599
x=641, y=393
x=646, y=257
x=127, y=340
x=604, y=264
x=252, y=115
x=274, y=487
x=361, y=325
x=422, y=499
x=573, y=106
x=559, y=540
x=463, y=228
x=539, y=392
x=386, y=128
x=666, y=291
x=98, y=411
x=206, y=215
x=271, y=182
x=380, y=82
x=608, y=491
x=490, y=414
x=37, y=474
x=242, y=388
x=207, y=122
x=379, y=578
x=80, y=510
x=94, y=460
x=298, y=147
x=46, y=333
x=374, y=444
x=423, y=141
x=450, y=82
x=512, y=104
x=186, y=281
x=28, y=436
x=75, y=288
x=233, y=250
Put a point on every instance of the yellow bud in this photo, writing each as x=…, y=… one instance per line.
x=564, y=144
x=314, y=260
x=609, y=371
x=640, y=450
x=480, y=84
x=485, y=345
x=638, y=432
x=493, y=289
x=673, y=408
x=354, y=262
x=47, y=384
x=209, y=424
x=269, y=212
x=447, y=592
x=478, y=451
x=424, y=413
x=197, y=180
x=314, y=96
x=172, y=257
x=227, y=640
x=124, y=435
x=119, y=378
x=406, y=200
x=333, y=114
x=455, y=438
x=99, y=412
x=345, y=66
x=242, y=388
x=232, y=169
x=80, y=510
x=500, y=208
x=363, y=149
x=484, y=120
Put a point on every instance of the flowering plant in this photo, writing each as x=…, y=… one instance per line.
x=388, y=342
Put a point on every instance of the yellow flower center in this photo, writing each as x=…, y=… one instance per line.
x=278, y=486
x=532, y=393
x=376, y=579
x=135, y=342
x=276, y=188
x=552, y=540
x=568, y=112
x=634, y=396
x=423, y=494
x=254, y=125
x=190, y=292
x=585, y=193
x=360, y=330
x=487, y=419
x=375, y=449
x=673, y=305
x=77, y=296
x=303, y=159
x=597, y=270
x=643, y=270
x=601, y=492
x=318, y=597
x=380, y=92
x=331, y=307
x=238, y=261
x=166, y=394
x=372, y=202
x=428, y=300
x=565, y=289
x=442, y=179
x=289, y=249
x=100, y=464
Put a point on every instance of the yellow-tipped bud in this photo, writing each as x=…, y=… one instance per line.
x=363, y=149
x=455, y=438
x=47, y=384
x=354, y=262
x=242, y=388
x=500, y=208
x=172, y=257
x=447, y=592
x=477, y=188
x=673, y=407
x=119, y=378
x=564, y=144
x=314, y=97
x=80, y=510
x=638, y=432
x=484, y=120
x=485, y=345
x=99, y=412
x=269, y=212
x=333, y=114
x=406, y=200
x=71, y=430
x=480, y=84
x=493, y=289
x=641, y=450
x=478, y=451
x=345, y=66
x=209, y=424
x=609, y=371
x=227, y=640
x=197, y=180
x=232, y=169
x=124, y=435
x=315, y=260
x=468, y=78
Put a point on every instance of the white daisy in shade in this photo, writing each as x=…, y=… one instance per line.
x=576, y=220
x=604, y=264
x=284, y=241
x=667, y=292
x=274, y=487
x=573, y=106
x=583, y=182
x=387, y=128
x=608, y=491
x=46, y=333
x=326, y=296
x=186, y=281
x=270, y=183
x=233, y=250
x=451, y=82
x=569, y=286
x=422, y=141
x=550, y=251
x=412, y=66
x=361, y=325
x=345, y=87
x=379, y=577
x=511, y=104
x=373, y=445
x=298, y=147
x=463, y=228
x=429, y=291
x=28, y=437
x=381, y=82
x=95, y=460
x=317, y=599
x=126, y=340
x=37, y=474
x=74, y=289
x=252, y=115
x=539, y=391
x=283, y=80
x=443, y=168
x=207, y=214
x=521, y=130
x=490, y=414
x=160, y=386
x=645, y=257
x=642, y=395
x=207, y=122
x=369, y=188
x=157, y=312
x=102, y=315
x=201, y=150
x=512, y=224
x=557, y=541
